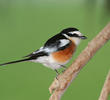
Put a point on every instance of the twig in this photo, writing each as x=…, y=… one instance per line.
x=59, y=86
x=106, y=88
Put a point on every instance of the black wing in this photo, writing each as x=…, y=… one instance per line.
x=37, y=54
x=55, y=42
x=53, y=45
x=31, y=54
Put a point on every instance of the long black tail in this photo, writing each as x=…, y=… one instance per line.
x=17, y=61
x=31, y=57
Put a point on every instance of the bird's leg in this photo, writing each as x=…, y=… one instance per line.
x=57, y=73
x=64, y=68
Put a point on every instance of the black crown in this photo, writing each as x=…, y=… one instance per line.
x=69, y=30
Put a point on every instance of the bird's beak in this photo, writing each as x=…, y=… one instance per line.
x=82, y=37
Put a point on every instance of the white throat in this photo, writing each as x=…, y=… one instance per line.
x=76, y=40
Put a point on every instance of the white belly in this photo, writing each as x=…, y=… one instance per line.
x=49, y=62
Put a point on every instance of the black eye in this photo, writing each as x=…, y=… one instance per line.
x=73, y=35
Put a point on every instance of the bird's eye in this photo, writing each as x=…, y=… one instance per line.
x=73, y=35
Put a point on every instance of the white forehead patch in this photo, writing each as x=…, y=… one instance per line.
x=64, y=42
x=76, y=32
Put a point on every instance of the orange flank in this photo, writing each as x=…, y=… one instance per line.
x=64, y=55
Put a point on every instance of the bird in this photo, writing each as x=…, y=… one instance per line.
x=56, y=51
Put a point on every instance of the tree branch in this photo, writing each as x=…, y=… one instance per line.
x=58, y=87
x=106, y=88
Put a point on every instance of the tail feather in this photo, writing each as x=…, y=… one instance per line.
x=30, y=57
x=17, y=61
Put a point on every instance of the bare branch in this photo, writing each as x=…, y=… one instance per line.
x=59, y=86
x=106, y=88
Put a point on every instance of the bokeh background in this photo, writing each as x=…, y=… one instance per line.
x=26, y=24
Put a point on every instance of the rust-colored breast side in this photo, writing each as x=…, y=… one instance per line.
x=64, y=55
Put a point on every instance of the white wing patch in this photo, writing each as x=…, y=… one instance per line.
x=64, y=42
x=50, y=49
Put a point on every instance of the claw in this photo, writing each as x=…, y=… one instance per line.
x=57, y=73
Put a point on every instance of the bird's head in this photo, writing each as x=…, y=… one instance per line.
x=73, y=34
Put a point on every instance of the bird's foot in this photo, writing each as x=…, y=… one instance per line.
x=57, y=73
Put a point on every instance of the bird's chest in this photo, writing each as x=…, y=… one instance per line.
x=63, y=56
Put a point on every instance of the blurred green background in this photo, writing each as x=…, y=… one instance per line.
x=26, y=24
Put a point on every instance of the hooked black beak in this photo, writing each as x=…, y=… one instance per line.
x=82, y=37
